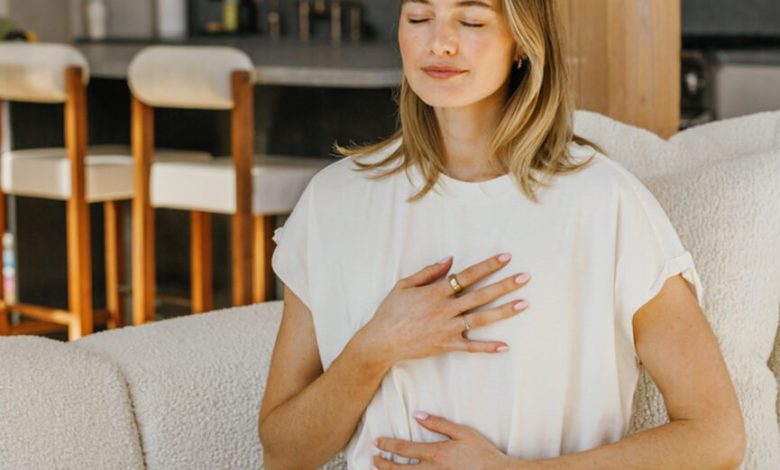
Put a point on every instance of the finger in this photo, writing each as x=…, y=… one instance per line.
x=427, y=274
x=489, y=293
x=409, y=449
x=473, y=274
x=466, y=345
x=502, y=312
x=440, y=425
x=382, y=463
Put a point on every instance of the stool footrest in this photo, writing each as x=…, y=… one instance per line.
x=50, y=315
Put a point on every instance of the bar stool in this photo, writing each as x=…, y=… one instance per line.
x=250, y=189
x=55, y=73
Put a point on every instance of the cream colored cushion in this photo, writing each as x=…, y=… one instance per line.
x=729, y=138
x=45, y=173
x=36, y=72
x=726, y=209
x=63, y=407
x=186, y=76
x=196, y=384
x=210, y=186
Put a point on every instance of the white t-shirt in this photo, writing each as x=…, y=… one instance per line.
x=597, y=247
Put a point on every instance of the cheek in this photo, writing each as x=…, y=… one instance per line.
x=493, y=57
x=408, y=42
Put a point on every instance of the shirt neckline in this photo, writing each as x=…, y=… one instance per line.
x=476, y=192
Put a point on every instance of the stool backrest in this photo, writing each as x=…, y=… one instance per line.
x=186, y=76
x=36, y=72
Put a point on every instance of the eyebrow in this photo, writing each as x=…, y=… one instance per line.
x=462, y=3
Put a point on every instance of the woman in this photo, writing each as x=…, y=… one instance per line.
x=526, y=359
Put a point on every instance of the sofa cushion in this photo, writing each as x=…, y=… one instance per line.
x=730, y=138
x=196, y=384
x=728, y=216
x=724, y=202
x=63, y=408
x=638, y=150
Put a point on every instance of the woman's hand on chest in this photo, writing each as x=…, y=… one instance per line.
x=422, y=315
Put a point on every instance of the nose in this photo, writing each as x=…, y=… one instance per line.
x=443, y=40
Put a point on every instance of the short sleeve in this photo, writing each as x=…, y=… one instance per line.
x=648, y=252
x=291, y=258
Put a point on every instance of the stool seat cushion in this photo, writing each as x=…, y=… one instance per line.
x=45, y=172
x=210, y=186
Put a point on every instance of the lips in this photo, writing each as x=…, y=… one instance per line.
x=442, y=72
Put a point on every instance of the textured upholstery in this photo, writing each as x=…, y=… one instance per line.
x=720, y=185
x=196, y=384
x=36, y=72
x=62, y=407
x=186, y=76
x=210, y=186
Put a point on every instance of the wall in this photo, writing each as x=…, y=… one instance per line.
x=730, y=17
x=47, y=18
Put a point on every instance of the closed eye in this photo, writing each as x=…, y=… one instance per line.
x=471, y=25
x=418, y=21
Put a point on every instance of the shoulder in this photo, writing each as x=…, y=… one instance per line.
x=603, y=179
x=344, y=174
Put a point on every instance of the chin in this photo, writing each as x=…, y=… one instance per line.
x=443, y=96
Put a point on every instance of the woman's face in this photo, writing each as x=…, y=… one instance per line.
x=455, y=52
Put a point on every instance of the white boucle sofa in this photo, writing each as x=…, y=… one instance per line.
x=185, y=393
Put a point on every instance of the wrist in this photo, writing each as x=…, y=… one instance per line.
x=370, y=358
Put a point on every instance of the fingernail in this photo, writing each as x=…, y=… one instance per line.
x=421, y=416
x=502, y=348
x=444, y=261
x=504, y=257
x=519, y=306
x=522, y=278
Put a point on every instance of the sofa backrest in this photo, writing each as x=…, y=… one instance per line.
x=196, y=384
x=62, y=407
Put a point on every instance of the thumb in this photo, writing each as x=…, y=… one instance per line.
x=427, y=274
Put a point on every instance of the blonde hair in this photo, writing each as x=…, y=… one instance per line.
x=536, y=127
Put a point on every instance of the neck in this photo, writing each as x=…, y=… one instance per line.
x=466, y=134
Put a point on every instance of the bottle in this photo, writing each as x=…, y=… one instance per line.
x=171, y=19
x=230, y=16
x=9, y=269
x=247, y=16
x=97, y=19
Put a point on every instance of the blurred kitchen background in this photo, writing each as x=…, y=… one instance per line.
x=328, y=72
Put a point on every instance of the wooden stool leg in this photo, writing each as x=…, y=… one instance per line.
x=241, y=255
x=263, y=280
x=201, y=262
x=79, y=261
x=143, y=214
x=79, y=270
x=114, y=230
x=242, y=147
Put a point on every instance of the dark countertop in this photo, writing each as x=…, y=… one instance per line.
x=286, y=62
x=765, y=57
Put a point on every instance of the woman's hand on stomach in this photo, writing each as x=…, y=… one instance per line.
x=422, y=316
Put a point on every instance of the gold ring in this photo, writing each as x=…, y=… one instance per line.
x=454, y=284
